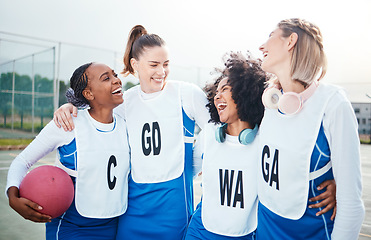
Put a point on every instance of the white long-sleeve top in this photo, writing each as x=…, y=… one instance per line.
x=49, y=139
x=341, y=129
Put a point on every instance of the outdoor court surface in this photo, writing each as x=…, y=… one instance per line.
x=14, y=227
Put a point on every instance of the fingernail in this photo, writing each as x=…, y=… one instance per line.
x=317, y=214
x=310, y=207
x=310, y=200
x=39, y=207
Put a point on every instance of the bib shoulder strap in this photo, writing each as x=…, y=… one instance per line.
x=70, y=172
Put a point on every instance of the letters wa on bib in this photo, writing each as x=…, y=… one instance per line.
x=229, y=201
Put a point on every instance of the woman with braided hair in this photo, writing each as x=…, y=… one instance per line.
x=99, y=140
x=308, y=134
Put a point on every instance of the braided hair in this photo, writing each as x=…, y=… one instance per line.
x=78, y=83
x=308, y=57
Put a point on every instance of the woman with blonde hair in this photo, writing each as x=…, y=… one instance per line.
x=308, y=135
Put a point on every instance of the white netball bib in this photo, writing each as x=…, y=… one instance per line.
x=155, y=128
x=102, y=168
x=285, y=149
x=229, y=202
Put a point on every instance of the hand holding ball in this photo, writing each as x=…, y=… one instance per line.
x=50, y=187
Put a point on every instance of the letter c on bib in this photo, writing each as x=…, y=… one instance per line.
x=111, y=184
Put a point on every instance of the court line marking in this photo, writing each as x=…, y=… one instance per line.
x=365, y=235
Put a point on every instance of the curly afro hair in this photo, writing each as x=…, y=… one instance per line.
x=247, y=81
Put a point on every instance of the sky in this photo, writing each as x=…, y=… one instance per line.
x=199, y=32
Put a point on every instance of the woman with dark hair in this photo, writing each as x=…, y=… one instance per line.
x=308, y=135
x=161, y=116
x=84, y=153
x=229, y=154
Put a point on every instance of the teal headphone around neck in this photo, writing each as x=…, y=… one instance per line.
x=245, y=137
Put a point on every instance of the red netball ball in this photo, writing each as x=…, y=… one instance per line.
x=50, y=187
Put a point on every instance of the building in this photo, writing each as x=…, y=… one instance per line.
x=363, y=114
x=359, y=95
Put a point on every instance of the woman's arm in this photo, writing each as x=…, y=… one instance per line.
x=26, y=208
x=48, y=140
x=327, y=199
x=341, y=129
x=194, y=103
x=198, y=152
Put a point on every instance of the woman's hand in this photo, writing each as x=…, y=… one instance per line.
x=328, y=198
x=26, y=208
x=62, y=116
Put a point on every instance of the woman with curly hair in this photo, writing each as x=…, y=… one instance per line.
x=229, y=153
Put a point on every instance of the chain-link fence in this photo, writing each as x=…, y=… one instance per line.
x=28, y=91
x=34, y=76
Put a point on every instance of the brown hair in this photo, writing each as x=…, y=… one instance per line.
x=138, y=40
x=308, y=57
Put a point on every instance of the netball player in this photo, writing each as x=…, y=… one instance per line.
x=228, y=209
x=99, y=138
x=308, y=135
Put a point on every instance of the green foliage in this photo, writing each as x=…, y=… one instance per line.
x=62, y=93
x=26, y=126
x=7, y=142
x=43, y=106
x=129, y=85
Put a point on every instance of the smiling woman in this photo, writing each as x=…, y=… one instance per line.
x=228, y=153
x=301, y=148
x=96, y=152
x=146, y=56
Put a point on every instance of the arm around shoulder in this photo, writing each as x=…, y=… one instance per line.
x=194, y=103
x=62, y=116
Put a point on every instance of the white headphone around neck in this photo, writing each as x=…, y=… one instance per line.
x=288, y=103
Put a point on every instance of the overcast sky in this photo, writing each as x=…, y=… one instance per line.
x=199, y=32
